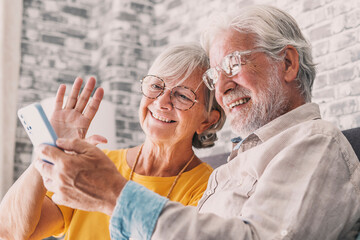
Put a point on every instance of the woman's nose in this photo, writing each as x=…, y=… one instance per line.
x=164, y=100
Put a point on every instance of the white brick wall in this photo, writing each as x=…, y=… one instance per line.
x=116, y=41
x=333, y=28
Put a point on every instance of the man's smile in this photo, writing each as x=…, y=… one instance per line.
x=238, y=102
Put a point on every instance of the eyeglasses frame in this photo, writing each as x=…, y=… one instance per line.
x=171, y=91
x=219, y=69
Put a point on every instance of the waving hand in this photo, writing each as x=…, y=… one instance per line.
x=74, y=119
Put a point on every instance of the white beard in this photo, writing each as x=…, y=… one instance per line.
x=268, y=105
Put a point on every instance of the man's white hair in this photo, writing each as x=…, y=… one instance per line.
x=273, y=30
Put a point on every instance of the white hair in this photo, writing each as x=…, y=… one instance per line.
x=273, y=30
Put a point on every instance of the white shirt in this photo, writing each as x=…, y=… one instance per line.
x=295, y=178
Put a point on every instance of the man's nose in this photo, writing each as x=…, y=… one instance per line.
x=224, y=84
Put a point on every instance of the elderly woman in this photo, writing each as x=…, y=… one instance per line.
x=176, y=112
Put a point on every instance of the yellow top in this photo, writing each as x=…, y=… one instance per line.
x=95, y=225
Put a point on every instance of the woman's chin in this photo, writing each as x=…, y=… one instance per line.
x=160, y=137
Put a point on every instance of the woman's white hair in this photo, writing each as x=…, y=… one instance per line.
x=273, y=30
x=177, y=63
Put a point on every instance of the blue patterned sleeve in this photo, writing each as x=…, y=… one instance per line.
x=136, y=212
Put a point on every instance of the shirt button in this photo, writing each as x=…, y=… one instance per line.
x=284, y=233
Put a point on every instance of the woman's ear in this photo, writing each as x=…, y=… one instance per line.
x=291, y=63
x=211, y=120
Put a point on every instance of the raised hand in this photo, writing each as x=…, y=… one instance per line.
x=74, y=119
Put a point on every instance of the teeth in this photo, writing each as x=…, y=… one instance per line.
x=239, y=102
x=161, y=118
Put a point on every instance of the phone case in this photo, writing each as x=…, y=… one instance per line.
x=37, y=125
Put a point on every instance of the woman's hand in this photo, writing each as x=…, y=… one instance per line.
x=84, y=179
x=74, y=119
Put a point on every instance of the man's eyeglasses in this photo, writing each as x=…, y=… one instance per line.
x=182, y=97
x=230, y=66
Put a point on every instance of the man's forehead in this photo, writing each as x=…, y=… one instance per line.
x=227, y=43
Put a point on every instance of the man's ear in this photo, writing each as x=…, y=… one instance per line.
x=212, y=119
x=291, y=63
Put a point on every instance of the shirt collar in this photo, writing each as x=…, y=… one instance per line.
x=303, y=113
x=306, y=112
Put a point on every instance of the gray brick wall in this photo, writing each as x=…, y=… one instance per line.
x=116, y=42
x=54, y=50
x=65, y=39
x=332, y=26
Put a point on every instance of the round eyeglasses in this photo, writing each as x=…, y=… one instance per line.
x=181, y=97
x=230, y=65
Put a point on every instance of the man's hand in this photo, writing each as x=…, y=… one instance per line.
x=84, y=179
x=74, y=119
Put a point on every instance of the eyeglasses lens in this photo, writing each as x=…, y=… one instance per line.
x=152, y=87
x=181, y=97
x=210, y=78
x=231, y=65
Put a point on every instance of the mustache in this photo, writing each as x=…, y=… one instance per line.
x=236, y=93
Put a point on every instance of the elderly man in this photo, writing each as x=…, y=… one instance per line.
x=292, y=175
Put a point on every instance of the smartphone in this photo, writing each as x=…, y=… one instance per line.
x=37, y=125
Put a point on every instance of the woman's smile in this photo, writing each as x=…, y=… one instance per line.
x=161, y=118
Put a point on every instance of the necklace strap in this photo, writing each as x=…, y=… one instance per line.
x=135, y=163
x=177, y=176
